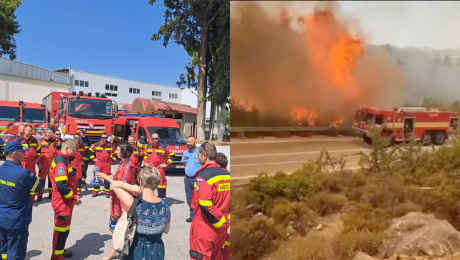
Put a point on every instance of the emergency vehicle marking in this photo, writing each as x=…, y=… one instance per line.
x=61, y=170
x=223, y=187
x=12, y=184
x=82, y=121
x=197, y=188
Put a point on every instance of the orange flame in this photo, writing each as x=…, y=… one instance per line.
x=300, y=116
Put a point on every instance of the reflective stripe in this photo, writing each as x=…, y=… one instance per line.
x=25, y=145
x=162, y=187
x=171, y=154
x=85, y=158
x=227, y=243
x=218, y=178
x=70, y=170
x=38, y=148
x=32, y=193
x=53, y=164
x=99, y=148
x=114, y=158
x=45, y=143
x=50, y=188
x=170, y=161
x=106, y=189
x=96, y=189
x=61, y=229
x=109, y=149
x=32, y=144
x=3, y=256
x=61, y=178
x=145, y=157
x=91, y=157
x=38, y=154
x=91, y=149
x=149, y=150
x=35, y=185
x=207, y=203
x=80, y=149
x=160, y=151
x=220, y=223
x=135, y=152
x=59, y=252
x=69, y=195
x=83, y=179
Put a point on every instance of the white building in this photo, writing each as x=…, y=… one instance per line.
x=120, y=89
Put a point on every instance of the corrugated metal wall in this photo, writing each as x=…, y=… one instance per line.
x=19, y=69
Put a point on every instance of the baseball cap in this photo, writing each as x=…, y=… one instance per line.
x=83, y=131
x=14, y=146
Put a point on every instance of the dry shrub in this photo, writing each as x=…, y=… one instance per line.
x=326, y=203
x=350, y=242
x=385, y=191
x=366, y=218
x=263, y=189
x=312, y=247
x=349, y=183
x=294, y=214
x=238, y=204
x=255, y=237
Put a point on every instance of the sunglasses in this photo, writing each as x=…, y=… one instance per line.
x=204, y=147
x=154, y=138
x=104, y=138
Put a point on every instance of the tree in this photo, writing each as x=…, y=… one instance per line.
x=187, y=22
x=8, y=27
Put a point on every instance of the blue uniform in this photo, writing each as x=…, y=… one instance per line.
x=191, y=167
x=16, y=184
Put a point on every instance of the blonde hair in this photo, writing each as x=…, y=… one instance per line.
x=150, y=177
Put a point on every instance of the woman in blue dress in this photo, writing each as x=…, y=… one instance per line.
x=153, y=214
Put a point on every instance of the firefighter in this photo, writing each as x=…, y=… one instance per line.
x=225, y=254
x=32, y=155
x=84, y=168
x=64, y=198
x=138, y=153
x=157, y=155
x=103, y=154
x=211, y=203
x=48, y=152
x=78, y=161
x=57, y=133
x=14, y=137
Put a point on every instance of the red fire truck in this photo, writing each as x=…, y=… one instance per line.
x=405, y=123
x=142, y=126
x=72, y=112
x=15, y=113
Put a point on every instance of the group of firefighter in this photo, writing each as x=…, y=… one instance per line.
x=42, y=154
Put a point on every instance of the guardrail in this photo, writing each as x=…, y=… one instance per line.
x=287, y=129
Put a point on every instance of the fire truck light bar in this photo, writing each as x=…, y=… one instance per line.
x=74, y=93
x=102, y=95
x=142, y=115
x=43, y=105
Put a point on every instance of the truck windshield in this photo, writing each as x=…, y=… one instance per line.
x=34, y=115
x=169, y=135
x=364, y=116
x=10, y=114
x=90, y=108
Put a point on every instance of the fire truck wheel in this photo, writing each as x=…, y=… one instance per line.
x=439, y=138
x=427, y=138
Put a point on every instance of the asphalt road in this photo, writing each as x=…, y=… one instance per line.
x=90, y=237
x=271, y=155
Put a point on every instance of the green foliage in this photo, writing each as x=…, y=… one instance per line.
x=8, y=27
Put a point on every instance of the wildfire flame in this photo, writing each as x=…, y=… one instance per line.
x=299, y=116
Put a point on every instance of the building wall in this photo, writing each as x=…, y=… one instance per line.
x=96, y=83
x=14, y=88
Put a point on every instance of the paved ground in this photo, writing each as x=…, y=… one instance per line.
x=90, y=237
x=270, y=155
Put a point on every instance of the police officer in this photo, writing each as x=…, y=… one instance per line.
x=211, y=205
x=16, y=184
x=84, y=168
x=192, y=165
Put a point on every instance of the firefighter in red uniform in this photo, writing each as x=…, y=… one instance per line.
x=57, y=134
x=157, y=155
x=138, y=153
x=32, y=155
x=78, y=161
x=14, y=137
x=103, y=154
x=225, y=255
x=211, y=203
x=64, y=198
x=48, y=152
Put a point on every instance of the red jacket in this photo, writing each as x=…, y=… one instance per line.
x=211, y=195
x=138, y=155
x=48, y=150
x=156, y=155
x=79, y=156
x=63, y=180
x=103, y=153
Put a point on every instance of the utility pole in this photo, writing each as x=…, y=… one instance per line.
x=51, y=85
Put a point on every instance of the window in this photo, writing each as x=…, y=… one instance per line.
x=141, y=133
x=111, y=87
x=135, y=90
x=158, y=99
x=173, y=96
x=81, y=83
x=156, y=93
x=108, y=94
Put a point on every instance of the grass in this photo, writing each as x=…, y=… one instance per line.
x=277, y=215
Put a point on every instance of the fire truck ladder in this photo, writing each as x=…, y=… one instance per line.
x=415, y=109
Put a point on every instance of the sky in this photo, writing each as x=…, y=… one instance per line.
x=104, y=37
x=421, y=24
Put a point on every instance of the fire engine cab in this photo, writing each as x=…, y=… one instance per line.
x=14, y=113
x=428, y=126
x=142, y=126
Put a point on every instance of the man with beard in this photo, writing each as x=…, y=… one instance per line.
x=156, y=155
x=138, y=153
x=84, y=168
x=31, y=156
x=48, y=151
x=192, y=165
x=57, y=134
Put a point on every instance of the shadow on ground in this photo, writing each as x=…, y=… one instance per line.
x=33, y=253
x=90, y=244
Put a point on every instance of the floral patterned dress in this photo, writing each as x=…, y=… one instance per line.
x=152, y=220
x=127, y=173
